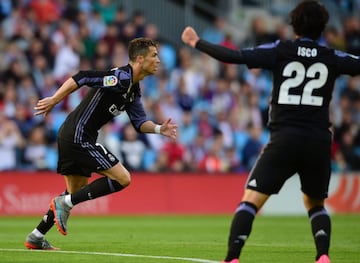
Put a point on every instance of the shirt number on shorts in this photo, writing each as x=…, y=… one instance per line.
x=296, y=71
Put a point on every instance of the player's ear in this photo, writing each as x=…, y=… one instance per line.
x=140, y=59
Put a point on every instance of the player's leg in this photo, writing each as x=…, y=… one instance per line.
x=82, y=160
x=315, y=177
x=320, y=226
x=242, y=222
x=115, y=179
x=271, y=170
x=61, y=205
x=36, y=239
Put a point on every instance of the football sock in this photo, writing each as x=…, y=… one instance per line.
x=240, y=229
x=99, y=187
x=321, y=229
x=47, y=221
x=37, y=233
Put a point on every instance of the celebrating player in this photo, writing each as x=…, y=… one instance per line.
x=304, y=73
x=112, y=92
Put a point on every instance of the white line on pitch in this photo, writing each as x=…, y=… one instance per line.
x=111, y=254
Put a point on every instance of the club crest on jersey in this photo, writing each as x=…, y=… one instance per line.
x=110, y=81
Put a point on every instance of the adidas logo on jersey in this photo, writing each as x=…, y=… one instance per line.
x=252, y=183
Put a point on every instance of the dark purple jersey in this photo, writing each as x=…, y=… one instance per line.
x=112, y=92
x=304, y=73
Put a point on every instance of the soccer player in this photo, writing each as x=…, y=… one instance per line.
x=112, y=92
x=303, y=78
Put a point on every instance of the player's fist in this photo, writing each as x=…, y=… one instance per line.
x=189, y=36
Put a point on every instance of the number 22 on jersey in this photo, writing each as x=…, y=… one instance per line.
x=317, y=73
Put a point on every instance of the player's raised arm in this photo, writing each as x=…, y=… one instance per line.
x=221, y=53
x=45, y=105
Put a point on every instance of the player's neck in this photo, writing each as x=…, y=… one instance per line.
x=137, y=72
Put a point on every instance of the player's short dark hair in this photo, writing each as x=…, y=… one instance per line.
x=140, y=47
x=309, y=19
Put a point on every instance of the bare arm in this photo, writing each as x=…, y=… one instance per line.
x=167, y=129
x=45, y=105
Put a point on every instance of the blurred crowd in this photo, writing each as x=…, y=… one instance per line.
x=221, y=109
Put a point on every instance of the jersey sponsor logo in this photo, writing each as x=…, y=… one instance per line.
x=114, y=110
x=110, y=81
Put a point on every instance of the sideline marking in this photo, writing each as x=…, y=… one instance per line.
x=108, y=254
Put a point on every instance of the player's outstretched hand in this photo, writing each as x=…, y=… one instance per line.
x=44, y=106
x=189, y=36
x=169, y=129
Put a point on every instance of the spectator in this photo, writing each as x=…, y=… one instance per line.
x=260, y=81
x=215, y=33
x=11, y=143
x=128, y=33
x=170, y=106
x=23, y=119
x=26, y=90
x=259, y=33
x=139, y=21
x=96, y=25
x=10, y=98
x=193, y=78
x=88, y=43
x=185, y=101
x=172, y=156
x=224, y=126
x=36, y=150
x=46, y=11
x=348, y=150
x=39, y=69
x=120, y=18
x=107, y=10
x=187, y=129
x=222, y=98
x=132, y=149
x=352, y=35
x=111, y=37
x=232, y=161
x=213, y=161
x=67, y=60
x=252, y=147
x=333, y=38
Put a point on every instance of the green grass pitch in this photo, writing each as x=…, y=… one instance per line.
x=176, y=238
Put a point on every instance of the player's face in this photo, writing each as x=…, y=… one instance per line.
x=151, y=61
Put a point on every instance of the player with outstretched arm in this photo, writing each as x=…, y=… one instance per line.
x=111, y=93
x=304, y=73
